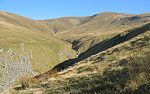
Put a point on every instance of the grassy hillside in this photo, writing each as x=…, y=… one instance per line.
x=47, y=50
x=65, y=23
x=99, y=27
x=23, y=22
x=122, y=69
x=113, y=53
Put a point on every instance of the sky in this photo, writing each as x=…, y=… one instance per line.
x=46, y=9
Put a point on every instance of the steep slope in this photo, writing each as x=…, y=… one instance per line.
x=98, y=39
x=105, y=44
x=37, y=42
x=99, y=27
x=102, y=46
x=36, y=37
x=122, y=69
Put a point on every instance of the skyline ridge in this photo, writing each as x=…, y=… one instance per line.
x=55, y=8
x=3, y=11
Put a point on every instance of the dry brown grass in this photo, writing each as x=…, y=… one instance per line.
x=27, y=81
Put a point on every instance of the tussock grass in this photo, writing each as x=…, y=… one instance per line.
x=27, y=81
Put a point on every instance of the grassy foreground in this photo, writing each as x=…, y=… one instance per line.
x=123, y=69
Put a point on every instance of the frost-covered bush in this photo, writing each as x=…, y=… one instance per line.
x=13, y=65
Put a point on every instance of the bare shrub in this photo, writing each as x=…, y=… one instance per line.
x=27, y=81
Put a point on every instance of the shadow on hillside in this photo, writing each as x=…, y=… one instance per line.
x=104, y=45
x=111, y=82
x=116, y=81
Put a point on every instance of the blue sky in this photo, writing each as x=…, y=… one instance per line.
x=43, y=9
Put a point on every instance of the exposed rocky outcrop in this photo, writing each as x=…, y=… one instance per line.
x=12, y=70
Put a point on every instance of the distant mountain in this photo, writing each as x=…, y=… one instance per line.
x=65, y=23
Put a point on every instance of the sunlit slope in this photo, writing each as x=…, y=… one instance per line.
x=24, y=22
x=47, y=51
x=121, y=69
x=99, y=27
x=64, y=23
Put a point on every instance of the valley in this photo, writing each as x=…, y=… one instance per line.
x=104, y=53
